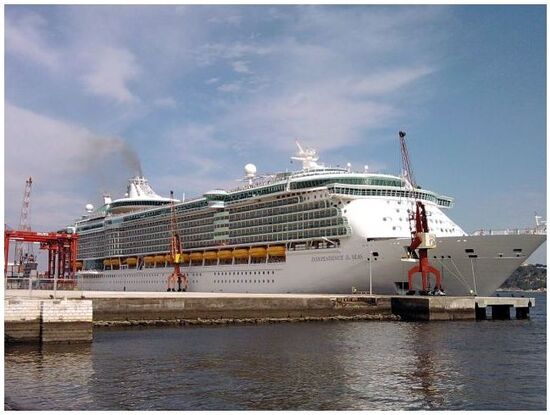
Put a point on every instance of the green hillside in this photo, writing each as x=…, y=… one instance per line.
x=527, y=277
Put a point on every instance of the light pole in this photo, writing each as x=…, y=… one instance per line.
x=370, y=272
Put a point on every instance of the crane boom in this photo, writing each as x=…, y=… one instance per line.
x=24, y=251
x=405, y=160
x=24, y=219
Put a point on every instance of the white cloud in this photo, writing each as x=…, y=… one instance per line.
x=24, y=37
x=166, y=102
x=231, y=87
x=111, y=69
x=211, y=52
x=389, y=80
x=325, y=74
x=241, y=67
x=325, y=117
x=225, y=17
x=68, y=163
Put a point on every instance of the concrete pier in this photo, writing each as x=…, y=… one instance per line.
x=22, y=320
x=157, y=308
x=427, y=308
x=501, y=307
x=47, y=320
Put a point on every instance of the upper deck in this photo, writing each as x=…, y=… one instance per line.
x=141, y=201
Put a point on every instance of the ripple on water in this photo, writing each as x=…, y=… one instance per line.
x=499, y=365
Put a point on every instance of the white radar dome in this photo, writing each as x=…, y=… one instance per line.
x=250, y=170
x=89, y=207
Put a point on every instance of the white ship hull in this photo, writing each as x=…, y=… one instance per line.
x=469, y=265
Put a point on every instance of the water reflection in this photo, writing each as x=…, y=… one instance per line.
x=332, y=365
x=34, y=375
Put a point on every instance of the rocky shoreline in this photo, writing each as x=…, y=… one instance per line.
x=239, y=321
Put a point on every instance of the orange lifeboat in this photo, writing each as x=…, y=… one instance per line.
x=159, y=259
x=225, y=254
x=130, y=261
x=195, y=256
x=258, y=252
x=240, y=253
x=276, y=251
x=210, y=255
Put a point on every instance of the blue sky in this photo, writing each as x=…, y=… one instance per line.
x=196, y=92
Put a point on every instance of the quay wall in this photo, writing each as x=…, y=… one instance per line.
x=71, y=319
x=67, y=320
x=22, y=320
x=220, y=308
x=47, y=320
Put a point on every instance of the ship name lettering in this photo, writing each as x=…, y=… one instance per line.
x=327, y=258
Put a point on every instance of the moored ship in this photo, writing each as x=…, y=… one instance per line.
x=316, y=230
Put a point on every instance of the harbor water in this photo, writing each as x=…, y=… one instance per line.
x=369, y=365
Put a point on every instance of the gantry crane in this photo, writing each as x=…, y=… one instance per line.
x=421, y=238
x=62, y=249
x=175, y=252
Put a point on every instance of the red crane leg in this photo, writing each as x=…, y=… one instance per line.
x=425, y=280
x=425, y=269
x=411, y=273
x=437, y=276
x=6, y=252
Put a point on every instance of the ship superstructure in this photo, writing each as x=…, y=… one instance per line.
x=319, y=229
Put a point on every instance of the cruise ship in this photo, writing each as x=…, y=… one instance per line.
x=316, y=230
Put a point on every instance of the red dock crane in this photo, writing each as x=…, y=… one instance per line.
x=175, y=252
x=61, y=248
x=421, y=238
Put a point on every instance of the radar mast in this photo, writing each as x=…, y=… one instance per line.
x=308, y=157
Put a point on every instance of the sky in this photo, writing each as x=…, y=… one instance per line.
x=190, y=94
